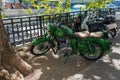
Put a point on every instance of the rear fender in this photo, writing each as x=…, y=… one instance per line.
x=112, y=26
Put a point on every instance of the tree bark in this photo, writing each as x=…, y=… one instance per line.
x=9, y=59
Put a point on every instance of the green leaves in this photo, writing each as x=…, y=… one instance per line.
x=28, y=11
x=3, y=15
x=51, y=6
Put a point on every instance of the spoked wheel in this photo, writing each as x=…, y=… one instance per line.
x=40, y=49
x=94, y=52
x=113, y=32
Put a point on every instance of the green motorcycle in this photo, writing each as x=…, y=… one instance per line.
x=89, y=45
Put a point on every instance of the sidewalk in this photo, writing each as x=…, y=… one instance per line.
x=52, y=67
x=107, y=68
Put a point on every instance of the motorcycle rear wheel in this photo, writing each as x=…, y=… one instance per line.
x=93, y=53
x=113, y=32
x=40, y=49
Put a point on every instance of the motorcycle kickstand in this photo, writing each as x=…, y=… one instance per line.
x=66, y=59
x=55, y=52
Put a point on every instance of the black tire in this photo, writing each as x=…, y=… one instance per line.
x=113, y=32
x=40, y=49
x=95, y=53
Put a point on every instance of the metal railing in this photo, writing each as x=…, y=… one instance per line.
x=24, y=29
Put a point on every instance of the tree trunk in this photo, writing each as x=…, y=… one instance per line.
x=9, y=60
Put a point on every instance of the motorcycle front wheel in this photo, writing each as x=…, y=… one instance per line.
x=93, y=52
x=40, y=49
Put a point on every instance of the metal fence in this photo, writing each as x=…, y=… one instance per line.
x=21, y=30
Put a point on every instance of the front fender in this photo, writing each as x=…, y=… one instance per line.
x=40, y=39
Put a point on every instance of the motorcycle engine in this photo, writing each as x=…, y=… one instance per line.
x=63, y=42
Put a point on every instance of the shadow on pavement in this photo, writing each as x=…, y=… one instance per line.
x=55, y=69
